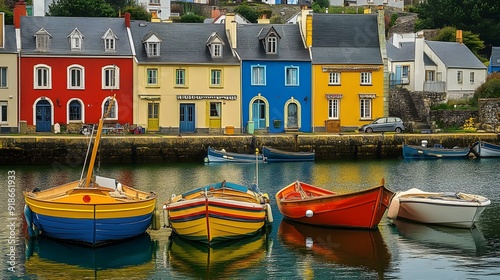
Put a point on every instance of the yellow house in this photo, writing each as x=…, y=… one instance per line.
x=348, y=69
x=8, y=78
x=187, y=79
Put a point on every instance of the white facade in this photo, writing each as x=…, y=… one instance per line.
x=159, y=9
x=398, y=4
x=41, y=7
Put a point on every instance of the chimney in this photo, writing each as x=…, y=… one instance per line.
x=19, y=11
x=127, y=19
x=263, y=20
x=459, y=36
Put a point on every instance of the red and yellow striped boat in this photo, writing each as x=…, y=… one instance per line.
x=218, y=212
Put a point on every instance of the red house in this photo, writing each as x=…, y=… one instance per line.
x=70, y=67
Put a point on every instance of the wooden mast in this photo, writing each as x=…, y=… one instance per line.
x=96, y=143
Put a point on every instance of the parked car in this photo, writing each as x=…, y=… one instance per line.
x=385, y=124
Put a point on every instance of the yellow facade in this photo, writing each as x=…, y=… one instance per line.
x=196, y=89
x=349, y=91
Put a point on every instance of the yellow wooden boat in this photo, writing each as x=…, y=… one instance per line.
x=218, y=212
x=93, y=210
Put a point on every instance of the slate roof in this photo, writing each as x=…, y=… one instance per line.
x=345, y=39
x=405, y=53
x=428, y=61
x=10, y=40
x=455, y=55
x=181, y=42
x=495, y=57
x=60, y=27
x=290, y=45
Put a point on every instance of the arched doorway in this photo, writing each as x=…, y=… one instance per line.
x=43, y=116
x=293, y=116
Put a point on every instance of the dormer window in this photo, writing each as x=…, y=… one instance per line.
x=76, y=39
x=152, y=44
x=215, y=45
x=109, y=40
x=270, y=40
x=271, y=44
x=42, y=39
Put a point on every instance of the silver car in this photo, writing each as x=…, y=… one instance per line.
x=385, y=124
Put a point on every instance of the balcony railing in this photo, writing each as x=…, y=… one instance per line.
x=434, y=86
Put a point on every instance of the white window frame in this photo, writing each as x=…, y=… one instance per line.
x=365, y=78
x=334, y=78
x=154, y=2
x=271, y=44
x=365, y=108
x=471, y=77
x=333, y=109
x=42, y=41
x=82, y=111
x=291, y=76
x=3, y=77
x=46, y=72
x=110, y=77
x=152, y=76
x=109, y=44
x=460, y=77
x=430, y=75
x=76, y=42
x=114, y=109
x=258, y=75
x=215, y=77
x=180, y=77
x=70, y=69
x=216, y=50
x=153, y=49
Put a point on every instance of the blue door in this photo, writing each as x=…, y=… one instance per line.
x=43, y=116
x=259, y=114
x=186, y=118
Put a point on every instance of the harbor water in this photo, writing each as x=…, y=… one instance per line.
x=286, y=250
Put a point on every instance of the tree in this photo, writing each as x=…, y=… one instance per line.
x=480, y=17
x=137, y=12
x=489, y=89
x=249, y=13
x=81, y=8
x=323, y=3
x=192, y=18
x=471, y=40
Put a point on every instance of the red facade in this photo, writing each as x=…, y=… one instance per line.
x=92, y=95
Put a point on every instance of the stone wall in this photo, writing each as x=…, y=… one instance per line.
x=451, y=118
x=69, y=151
x=489, y=114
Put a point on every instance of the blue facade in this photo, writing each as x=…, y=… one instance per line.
x=276, y=96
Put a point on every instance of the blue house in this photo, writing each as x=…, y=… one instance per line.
x=494, y=60
x=276, y=78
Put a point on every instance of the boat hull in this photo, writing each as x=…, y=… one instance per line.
x=88, y=215
x=219, y=156
x=460, y=210
x=214, y=215
x=484, y=149
x=420, y=152
x=275, y=155
x=322, y=207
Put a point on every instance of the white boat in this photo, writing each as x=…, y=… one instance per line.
x=458, y=209
x=484, y=149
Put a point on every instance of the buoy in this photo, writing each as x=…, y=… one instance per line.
x=392, y=212
x=269, y=213
x=309, y=213
x=206, y=160
x=165, y=217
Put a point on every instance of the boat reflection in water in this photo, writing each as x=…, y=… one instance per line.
x=456, y=240
x=365, y=249
x=47, y=258
x=222, y=261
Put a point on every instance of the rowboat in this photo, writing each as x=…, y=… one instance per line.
x=309, y=204
x=194, y=260
x=452, y=209
x=435, y=152
x=218, y=156
x=363, y=249
x=218, y=212
x=483, y=149
x=274, y=155
x=93, y=210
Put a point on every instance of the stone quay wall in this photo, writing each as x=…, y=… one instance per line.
x=71, y=150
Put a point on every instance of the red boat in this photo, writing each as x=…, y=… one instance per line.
x=308, y=204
